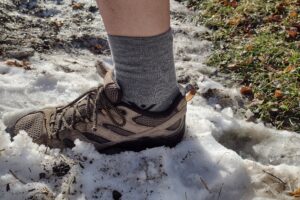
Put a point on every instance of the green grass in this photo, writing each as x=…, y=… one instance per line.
x=258, y=41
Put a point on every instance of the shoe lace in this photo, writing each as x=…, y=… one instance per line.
x=93, y=105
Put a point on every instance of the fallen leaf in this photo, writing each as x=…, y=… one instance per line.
x=22, y=64
x=293, y=14
x=289, y=68
x=233, y=4
x=77, y=6
x=296, y=26
x=98, y=46
x=249, y=47
x=295, y=193
x=246, y=90
x=278, y=94
x=234, y=21
x=273, y=18
x=292, y=33
x=191, y=91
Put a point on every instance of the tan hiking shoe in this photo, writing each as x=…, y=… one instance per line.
x=99, y=117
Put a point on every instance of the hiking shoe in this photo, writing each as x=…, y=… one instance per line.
x=99, y=117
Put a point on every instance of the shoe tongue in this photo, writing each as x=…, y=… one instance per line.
x=111, y=88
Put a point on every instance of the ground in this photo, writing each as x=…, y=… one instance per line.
x=221, y=157
x=258, y=44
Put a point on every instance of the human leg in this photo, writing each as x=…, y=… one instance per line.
x=141, y=43
x=135, y=18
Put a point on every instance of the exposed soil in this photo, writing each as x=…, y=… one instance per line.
x=29, y=27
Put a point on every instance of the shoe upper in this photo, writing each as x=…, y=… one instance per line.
x=99, y=117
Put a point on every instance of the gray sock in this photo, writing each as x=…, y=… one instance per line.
x=145, y=70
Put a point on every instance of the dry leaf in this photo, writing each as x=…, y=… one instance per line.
x=233, y=4
x=278, y=94
x=289, y=68
x=190, y=93
x=249, y=47
x=77, y=6
x=292, y=33
x=98, y=46
x=296, y=26
x=293, y=14
x=234, y=21
x=246, y=90
x=273, y=18
x=22, y=64
x=295, y=193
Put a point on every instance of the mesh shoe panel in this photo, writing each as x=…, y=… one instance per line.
x=32, y=124
x=113, y=92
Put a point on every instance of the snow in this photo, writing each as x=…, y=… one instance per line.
x=221, y=157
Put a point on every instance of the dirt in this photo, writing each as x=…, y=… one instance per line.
x=116, y=195
x=29, y=27
x=61, y=169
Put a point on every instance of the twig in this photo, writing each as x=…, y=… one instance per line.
x=2, y=150
x=220, y=191
x=46, y=150
x=274, y=176
x=14, y=175
x=222, y=157
x=205, y=185
x=280, y=180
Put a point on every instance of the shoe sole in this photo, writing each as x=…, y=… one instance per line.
x=134, y=145
x=145, y=142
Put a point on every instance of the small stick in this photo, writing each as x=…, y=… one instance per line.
x=46, y=150
x=14, y=175
x=220, y=191
x=284, y=183
x=205, y=185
